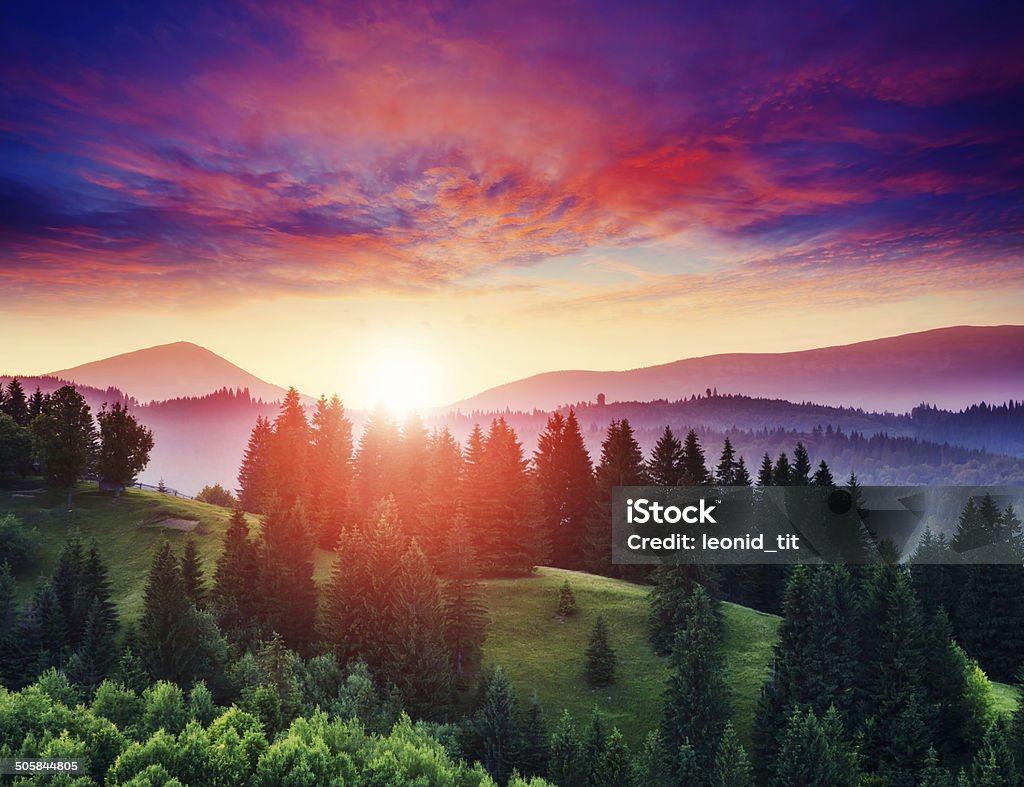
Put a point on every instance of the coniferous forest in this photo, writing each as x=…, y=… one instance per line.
x=251, y=671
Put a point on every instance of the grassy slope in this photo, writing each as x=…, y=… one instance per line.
x=126, y=546
x=536, y=650
x=543, y=653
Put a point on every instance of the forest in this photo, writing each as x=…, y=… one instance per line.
x=256, y=673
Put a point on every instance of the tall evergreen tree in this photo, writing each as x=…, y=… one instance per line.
x=665, y=464
x=15, y=404
x=169, y=631
x=330, y=459
x=8, y=626
x=66, y=581
x=732, y=768
x=566, y=767
x=497, y=726
x=693, y=469
x=696, y=698
x=534, y=749
x=800, y=474
x=289, y=452
x=377, y=461
x=600, y=665
x=289, y=597
x=97, y=653
x=614, y=767
x=742, y=477
x=124, y=448
x=669, y=600
x=36, y=404
x=823, y=475
x=812, y=756
x=440, y=508
x=782, y=472
x=94, y=590
x=192, y=575
x=621, y=465
x=65, y=439
x=993, y=765
x=236, y=579
x=565, y=483
x=465, y=614
x=765, y=475
x=728, y=467
x=255, y=479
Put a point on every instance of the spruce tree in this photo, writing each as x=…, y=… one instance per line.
x=497, y=727
x=693, y=469
x=534, y=750
x=993, y=765
x=933, y=774
x=565, y=483
x=621, y=465
x=96, y=654
x=465, y=614
x=601, y=660
x=652, y=767
x=765, y=475
x=566, y=767
x=66, y=582
x=235, y=580
x=15, y=404
x=94, y=587
x=65, y=439
x=614, y=767
x=665, y=464
x=377, y=460
x=726, y=472
x=800, y=474
x=440, y=508
x=696, y=698
x=669, y=600
x=566, y=600
x=330, y=461
x=169, y=630
x=732, y=768
x=808, y=758
x=192, y=574
x=782, y=472
x=742, y=477
x=595, y=744
x=834, y=645
x=36, y=404
x=289, y=448
x=288, y=592
x=255, y=479
x=823, y=475
x=8, y=625
x=418, y=661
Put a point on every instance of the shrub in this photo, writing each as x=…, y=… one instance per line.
x=217, y=495
x=600, y=669
x=566, y=600
x=17, y=542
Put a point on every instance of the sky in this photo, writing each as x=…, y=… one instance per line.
x=338, y=195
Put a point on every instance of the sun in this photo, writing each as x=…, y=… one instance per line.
x=399, y=376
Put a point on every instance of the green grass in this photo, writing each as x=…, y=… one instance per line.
x=126, y=530
x=543, y=653
x=538, y=650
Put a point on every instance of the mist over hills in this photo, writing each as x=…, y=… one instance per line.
x=202, y=407
x=947, y=367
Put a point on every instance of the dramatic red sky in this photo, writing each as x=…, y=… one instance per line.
x=323, y=192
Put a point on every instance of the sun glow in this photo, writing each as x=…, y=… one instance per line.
x=399, y=376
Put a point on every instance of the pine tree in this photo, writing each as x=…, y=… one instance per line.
x=192, y=574
x=330, y=459
x=782, y=473
x=653, y=767
x=833, y=660
x=289, y=448
x=440, y=508
x=534, y=749
x=742, y=477
x=621, y=465
x=566, y=600
x=696, y=698
x=377, y=461
x=497, y=726
x=566, y=767
x=800, y=474
x=693, y=470
x=169, y=632
x=124, y=448
x=255, y=480
x=933, y=775
x=65, y=439
x=94, y=589
x=40, y=639
x=670, y=597
x=413, y=458
x=97, y=653
x=765, y=475
x=66, y=582
x=418, y=661
x=565, y=483
x=732, y=768
x=235, y=595
x=15, y=404
x=595, y=745
x=601, y=660
x=465, y=614
x=823, y=475
x=727, y=466
x=36, y=404
x=665, y=465
x=993, y=765
x=288, y=592
x=613, y=768
x=808, y=758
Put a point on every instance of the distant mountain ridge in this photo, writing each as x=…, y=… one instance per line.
x=168, y=371
x=948, y=367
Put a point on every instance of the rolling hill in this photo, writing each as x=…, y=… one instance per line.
x=947, y=367
x=539, y=651
x=168, y=371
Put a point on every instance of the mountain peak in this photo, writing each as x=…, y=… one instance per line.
x=166, y=371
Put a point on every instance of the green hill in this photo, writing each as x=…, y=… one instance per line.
x=543, y=652
x=538, y=650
